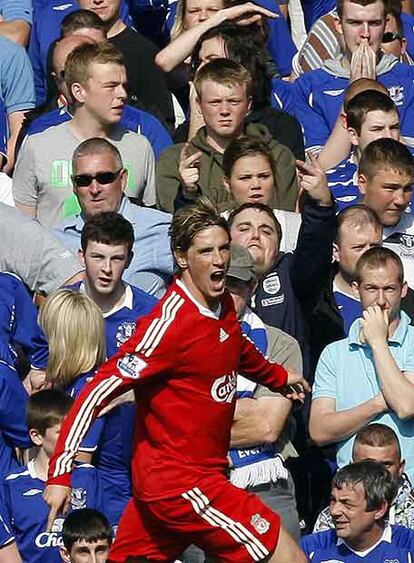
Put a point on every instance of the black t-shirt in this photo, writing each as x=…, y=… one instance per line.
x=146, y=81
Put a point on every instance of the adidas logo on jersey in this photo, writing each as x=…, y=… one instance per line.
x=32, y=492
x=223, y=335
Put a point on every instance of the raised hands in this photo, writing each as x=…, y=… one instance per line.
x=312, y=180
x=363, y=62
x=246, y=14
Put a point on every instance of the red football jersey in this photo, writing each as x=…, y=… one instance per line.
x=182, y=362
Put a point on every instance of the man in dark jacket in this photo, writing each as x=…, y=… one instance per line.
x=289, y=280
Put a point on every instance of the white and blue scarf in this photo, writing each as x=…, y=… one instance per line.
x=260, y=464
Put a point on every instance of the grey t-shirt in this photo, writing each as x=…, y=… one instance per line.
x=30, y=251
x=42, y=177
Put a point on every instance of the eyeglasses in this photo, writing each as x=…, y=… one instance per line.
x=103, y=178
x=390, y=36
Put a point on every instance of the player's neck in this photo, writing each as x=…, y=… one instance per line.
x=41, y=465
x=369, y=539
x=106, y=302
x=86, y=126
x=343, y=285
x=211, y=303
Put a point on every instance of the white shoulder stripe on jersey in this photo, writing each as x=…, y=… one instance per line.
x=158, y=326
x=83, y=418
x=149, y=333
x=103, y=390
x=163, y=329
x=236, y=530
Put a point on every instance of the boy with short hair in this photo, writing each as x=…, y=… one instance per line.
x=369, y=115
x=24, y=503
x=106, y=251
x=86, y=532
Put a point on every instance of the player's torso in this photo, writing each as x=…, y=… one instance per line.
x=184, y=419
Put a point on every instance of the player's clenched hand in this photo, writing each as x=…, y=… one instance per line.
x=312, y=180
x=58, y=498
x=189, y=170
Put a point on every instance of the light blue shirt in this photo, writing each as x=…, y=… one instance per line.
x=16, y=77
x=152, y=264
x=346, y=373
x=17, y=10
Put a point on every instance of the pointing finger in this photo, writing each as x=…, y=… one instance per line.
x=51, y=518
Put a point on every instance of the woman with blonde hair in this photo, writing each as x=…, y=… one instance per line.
x=74, y=327
x=75, y=330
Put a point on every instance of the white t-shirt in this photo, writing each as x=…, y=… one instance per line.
x=6, y=185
x=400, y=239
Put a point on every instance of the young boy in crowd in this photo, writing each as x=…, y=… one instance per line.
x=25, y=507
x=87, y=536
x=106, y=252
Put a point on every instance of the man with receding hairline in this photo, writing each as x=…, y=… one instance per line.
x=370, y=374
x=379, y=442
x=99, y=180
x=319, y=93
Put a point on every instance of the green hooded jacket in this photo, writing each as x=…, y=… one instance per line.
x=211, y=171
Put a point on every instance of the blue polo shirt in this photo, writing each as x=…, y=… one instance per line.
x=151, y=267
x=346, y=373
x=343, y=183
x=395, y=546
x=17, y=10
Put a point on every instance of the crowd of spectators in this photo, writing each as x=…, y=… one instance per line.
x=289, y=126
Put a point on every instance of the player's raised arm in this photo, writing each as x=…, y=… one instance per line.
x=141, y=357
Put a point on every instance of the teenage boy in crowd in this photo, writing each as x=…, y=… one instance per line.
x=185, y=171
x=133, y=118
x=370, y=115
x=87, y=537
x=23, y=489
x=106, y=252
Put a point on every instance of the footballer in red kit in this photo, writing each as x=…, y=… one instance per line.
x=182, y=362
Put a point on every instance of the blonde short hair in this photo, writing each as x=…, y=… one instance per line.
x=79, y=61
x=74, y=327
